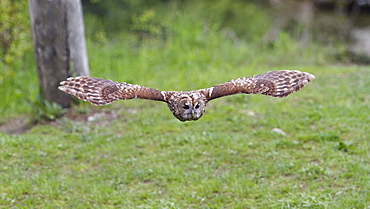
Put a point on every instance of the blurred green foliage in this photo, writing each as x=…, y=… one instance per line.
x=15, y=34
x=15, y=42
x=142, y=24
x=246, y=19
x=42, y=109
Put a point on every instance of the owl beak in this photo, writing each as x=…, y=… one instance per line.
x=193, y=113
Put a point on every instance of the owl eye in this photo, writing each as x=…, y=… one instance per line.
x=197, y=106
x=186, y=107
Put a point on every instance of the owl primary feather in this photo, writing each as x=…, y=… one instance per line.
x=186, y=105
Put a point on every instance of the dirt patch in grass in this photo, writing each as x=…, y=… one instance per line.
x=22, y=124
x=15, y=126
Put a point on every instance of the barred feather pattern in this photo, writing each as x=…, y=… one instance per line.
x=273, y=83
x=284, y=82
x=99, y=91
x=188, y=105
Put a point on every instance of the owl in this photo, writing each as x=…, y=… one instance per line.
x=186, y=105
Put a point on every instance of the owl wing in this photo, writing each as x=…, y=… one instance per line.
x=274, y=83
x=102, y=92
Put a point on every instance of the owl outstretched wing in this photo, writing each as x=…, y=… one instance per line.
x=188, y=105
x=102, y=92
x=274, y=83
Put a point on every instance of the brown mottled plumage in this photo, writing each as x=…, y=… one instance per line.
x=190, y=105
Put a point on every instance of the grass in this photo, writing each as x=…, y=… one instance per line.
x=135, y=154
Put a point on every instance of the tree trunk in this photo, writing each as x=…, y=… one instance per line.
x=76, y=38
x=59, y=42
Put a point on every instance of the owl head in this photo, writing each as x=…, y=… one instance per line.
x=187, y=106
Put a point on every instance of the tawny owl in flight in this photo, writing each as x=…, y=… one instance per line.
x=189, y=105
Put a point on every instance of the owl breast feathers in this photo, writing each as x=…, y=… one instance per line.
x=190, y=105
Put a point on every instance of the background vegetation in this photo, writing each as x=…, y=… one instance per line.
x=135, y=154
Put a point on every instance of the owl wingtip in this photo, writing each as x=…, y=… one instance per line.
x=62, y=88
x=310, y=77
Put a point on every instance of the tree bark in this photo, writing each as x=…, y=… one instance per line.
x=77, y=44
x=58, y=34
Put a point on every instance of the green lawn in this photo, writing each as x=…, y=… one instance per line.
x=135, y=154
